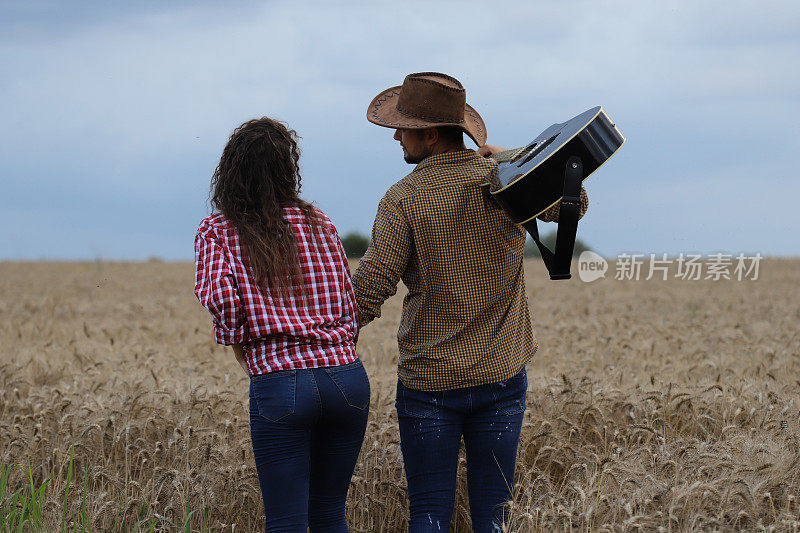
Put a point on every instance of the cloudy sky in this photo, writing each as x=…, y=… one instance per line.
x=113, y=116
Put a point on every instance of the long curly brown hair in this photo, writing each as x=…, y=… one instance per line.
x=257, y=176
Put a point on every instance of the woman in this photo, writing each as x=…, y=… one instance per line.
x=272, y=271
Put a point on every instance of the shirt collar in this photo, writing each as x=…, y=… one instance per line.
x=449, y=158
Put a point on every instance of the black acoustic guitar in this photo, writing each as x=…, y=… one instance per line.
x=551, y=169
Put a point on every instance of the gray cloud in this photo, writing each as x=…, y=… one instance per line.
x=114, y=117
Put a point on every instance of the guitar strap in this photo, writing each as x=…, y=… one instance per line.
x=558, y=261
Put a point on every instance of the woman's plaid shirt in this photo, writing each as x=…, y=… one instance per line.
x=278, y=332
x=465, y=318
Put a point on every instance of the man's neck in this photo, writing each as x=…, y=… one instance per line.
x=439, y=150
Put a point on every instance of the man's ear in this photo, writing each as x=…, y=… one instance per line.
x=430, y=136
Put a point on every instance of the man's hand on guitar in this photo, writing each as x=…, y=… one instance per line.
x=487, y=150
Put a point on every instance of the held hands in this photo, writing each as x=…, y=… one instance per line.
x=487, y=150
x=239, y=352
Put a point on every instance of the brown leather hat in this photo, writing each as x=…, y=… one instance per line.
x=427, y=100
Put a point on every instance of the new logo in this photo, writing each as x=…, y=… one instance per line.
x=591, y=266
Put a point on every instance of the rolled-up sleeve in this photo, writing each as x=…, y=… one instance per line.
x=351, y=306
x=216, y=289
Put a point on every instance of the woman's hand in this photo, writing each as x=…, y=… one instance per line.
x=239, y=353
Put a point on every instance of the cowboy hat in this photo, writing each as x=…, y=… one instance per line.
x=427, y=100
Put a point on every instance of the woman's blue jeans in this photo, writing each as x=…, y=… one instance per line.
x=489, y=417
x=307, y=427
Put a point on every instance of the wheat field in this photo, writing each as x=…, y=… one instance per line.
x=652, y=405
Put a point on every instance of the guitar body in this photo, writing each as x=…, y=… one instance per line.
x=531, y=179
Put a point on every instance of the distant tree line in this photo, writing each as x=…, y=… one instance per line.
x=549, y=240
x=355, y=245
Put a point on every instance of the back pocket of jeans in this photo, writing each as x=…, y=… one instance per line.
x=509, y=395
x=274, y=394
x=352, y=381
x=419, y=404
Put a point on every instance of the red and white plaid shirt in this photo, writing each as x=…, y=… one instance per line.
x=279, y=332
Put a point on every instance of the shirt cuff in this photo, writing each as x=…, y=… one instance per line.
x=227, y=336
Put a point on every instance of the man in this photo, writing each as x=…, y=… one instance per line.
x=465, y=333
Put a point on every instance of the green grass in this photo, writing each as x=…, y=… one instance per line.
x=22, y=507
x=21, y=510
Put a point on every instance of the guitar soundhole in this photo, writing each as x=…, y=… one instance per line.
x=523, y=153
x=537, y=149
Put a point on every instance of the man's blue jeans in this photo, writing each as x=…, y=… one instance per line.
x=307, y=427
x=489, y=417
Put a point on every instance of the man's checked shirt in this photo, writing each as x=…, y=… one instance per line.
x=279, y=332
x=465, y=318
